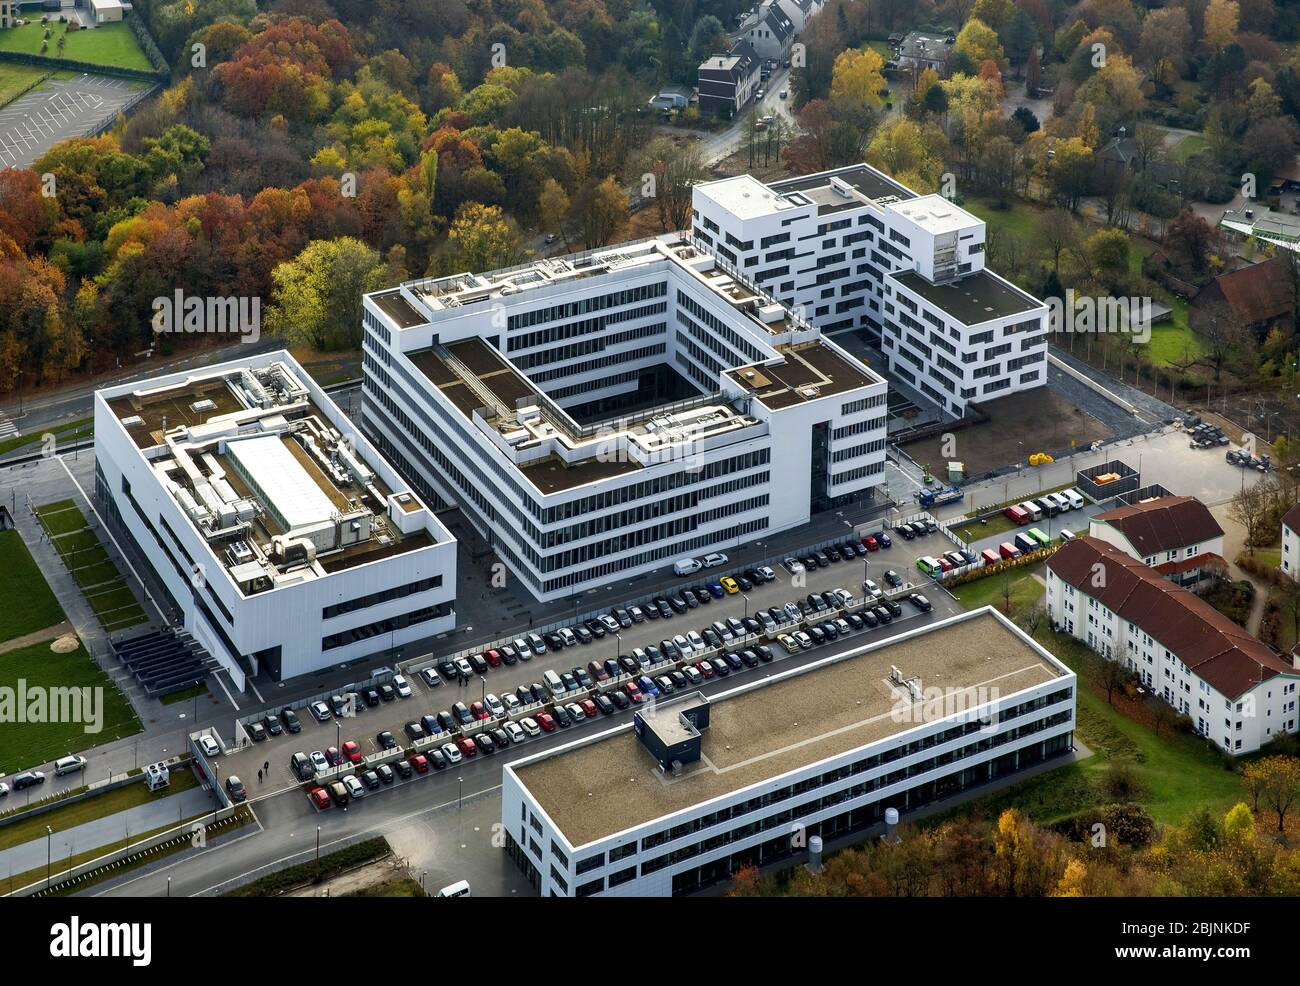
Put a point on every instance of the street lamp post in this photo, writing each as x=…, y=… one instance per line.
x=318, y=843
x=460, y=791
x=49, y=846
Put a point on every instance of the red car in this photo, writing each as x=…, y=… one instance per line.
x=466, y=746
x=479, y=711
x=546, y=721
x=704, y=668
x=493, y=657
x=589, y=707
x=870, y=543
x=632, y=691
x=420, y=763
x=352, y=751
x=333, y=757
x=320, y=797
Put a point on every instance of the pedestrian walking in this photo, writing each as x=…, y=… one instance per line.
x=267, y=766
x=259, y=777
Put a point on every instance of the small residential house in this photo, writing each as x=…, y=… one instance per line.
x=921, y=50
x=801, y=12
x=1175, y=535
x=728, y=82
x=1258, y=295
x=768, y=29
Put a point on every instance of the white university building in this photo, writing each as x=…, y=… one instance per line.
x=599, y=415
x=285, y=543
x=852, y=248
x=696, y=789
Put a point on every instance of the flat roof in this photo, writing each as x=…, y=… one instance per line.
x=395, y=306
x=935, y=214
x=282, y=477
x=612, y=783
x=975, y=298
x=745, y=197
x=808, y=372
x=868, y=182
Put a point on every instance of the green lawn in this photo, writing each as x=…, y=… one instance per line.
x=1188, y=146
x=21, y=582
x=1174, y=341
x=63, y=517
x=23, y=744
x=1016, y=220
x=17, y=79
x=991, y=590
x=113, y=45
x=96, y=575
x=69, y=431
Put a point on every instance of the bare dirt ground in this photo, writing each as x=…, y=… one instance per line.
x=1018, y=426
x=370, y=875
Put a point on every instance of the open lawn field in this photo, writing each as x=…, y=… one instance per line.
x=992, y=590
x=113, y=45
x=1016, y=220
x=29, y=603
x=17, y=79
x=24, y=744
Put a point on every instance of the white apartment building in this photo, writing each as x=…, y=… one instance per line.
x=1175, y=535
x=1237, y=691
x=801, y=12
x=768, y=29
x=600, y=415
x=852, y=248
x=1291, y=543
x=284, y=541
x=696, y=789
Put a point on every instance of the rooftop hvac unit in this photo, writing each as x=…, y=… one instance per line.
x=203, y=406
x=895, y=675
x=134, y=421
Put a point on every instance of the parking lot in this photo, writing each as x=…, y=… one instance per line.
x=57, y=110
x=273, y=754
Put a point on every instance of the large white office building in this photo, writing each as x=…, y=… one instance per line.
x=1237, y=691
x=598, y=416
x=283, y=540
x=696, y=789
x=852, y=248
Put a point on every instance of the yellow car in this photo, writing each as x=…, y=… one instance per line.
x=788, y=642
x=729, y=584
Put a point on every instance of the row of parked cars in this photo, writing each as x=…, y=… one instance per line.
x=1046, y=505
x=487, y=726
x=843, y=551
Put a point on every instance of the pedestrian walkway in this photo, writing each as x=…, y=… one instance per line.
x=27, y=639
x=107, y=831
x=7, y=428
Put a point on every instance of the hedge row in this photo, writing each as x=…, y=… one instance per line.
x=304, y=874
x=67, y=64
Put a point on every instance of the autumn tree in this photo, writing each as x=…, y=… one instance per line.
x=600, y=213
x=1275, y=781
x=317, y=296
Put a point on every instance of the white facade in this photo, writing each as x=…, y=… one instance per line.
x=769, y=30
x=1113, y=535
x=1290, y=563
x=470, y=383
x=852, y=248
x=800, y=12
x=1239, y=722
x=682, y=850
x=265, y=571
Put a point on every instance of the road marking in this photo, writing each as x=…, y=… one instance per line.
x=7, y=427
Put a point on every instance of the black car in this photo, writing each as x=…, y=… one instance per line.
x=870, y=618
x=256, y=731
x=236, y=788
x=679, y=680
x=882, y=614
x=606, y=705
x=370, y=779
x=402, y=767
x=831, y=630
x=371, y=697
x=479, y=663
x=906, y=531
x=584, y=635
x=291, y=720
x=855, y=621
x=655, y=654
x=385, y=773
x=509, y=655
x=720, y=667
x=744, y=583
x=618, y=698
x=628, y=663
x=822, y=559
x=387, y=692
x=893, y=578
x=764, y=652
x=818, y=635
x=500, y=737
x=920, y=602
x=596, y=628
x=711, y=638
x=893, y=607
x=677, y=603
x=554, y=641
x=561, y=717
x=752, y=625
x=485, y=743
x=539, y=692
x=447, y=670
x=446, y=721
x=583, y=676
x=386, y=740
x=272, y=724
x=703, y=595
x=414, y=730
x=438, y=759
x=300, y=764
x=652, y=611
x=340, y=704
x=833, y=553
x=748, y=658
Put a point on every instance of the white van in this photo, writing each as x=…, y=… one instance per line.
x=1076, y=501
x=553, y=684
x=1034, y=510
x=69, y=765
x=458, y=889
x=686, y=566
x=1062, y=502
